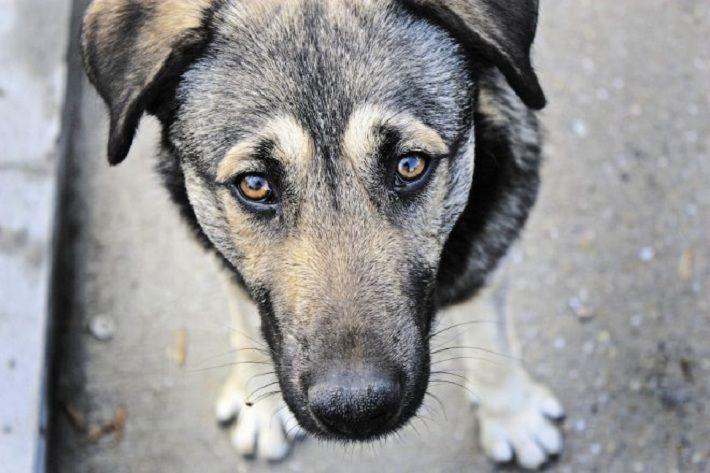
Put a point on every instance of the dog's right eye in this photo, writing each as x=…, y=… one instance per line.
x=255, y=187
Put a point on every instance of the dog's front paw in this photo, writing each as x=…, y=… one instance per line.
x=263, y=427
x=522, y=428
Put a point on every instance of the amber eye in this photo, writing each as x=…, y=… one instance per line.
x=255, y=187
x=411, y=167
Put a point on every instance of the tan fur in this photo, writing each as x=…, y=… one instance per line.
x=292, y=145
x=171, y=18
x=156, y=38
x=361, y=138
x=488, y=106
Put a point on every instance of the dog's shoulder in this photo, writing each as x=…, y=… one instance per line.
x=505, y=185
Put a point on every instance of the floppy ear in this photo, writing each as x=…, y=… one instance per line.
x=131, y=48
x=500, y=31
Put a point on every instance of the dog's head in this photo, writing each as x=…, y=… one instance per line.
x=327, y=150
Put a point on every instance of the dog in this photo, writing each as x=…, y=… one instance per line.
x=361, y=167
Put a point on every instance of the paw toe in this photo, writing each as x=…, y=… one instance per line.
x=550, y=439
x=273, y=445
x=495, y=443
x=244, y=434
x=501, y=452
x=530, y=455
x=552, y=408
x=226, y=409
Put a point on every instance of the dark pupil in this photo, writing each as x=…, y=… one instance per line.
x=409, y=165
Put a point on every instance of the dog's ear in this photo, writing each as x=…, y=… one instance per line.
x=499, y=31
x=132, y=47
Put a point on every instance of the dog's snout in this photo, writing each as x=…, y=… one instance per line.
x=355, y=404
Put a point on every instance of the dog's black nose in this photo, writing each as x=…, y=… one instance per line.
x=356, y=404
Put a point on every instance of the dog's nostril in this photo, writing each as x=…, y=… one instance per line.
x=355, y=404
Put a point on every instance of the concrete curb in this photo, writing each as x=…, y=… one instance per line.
x=33, y=44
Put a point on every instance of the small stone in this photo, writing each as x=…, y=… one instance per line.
x=646, y=254
x=691, y=210
x=595, y=449
x=11, y=364
x=578, y=306
x=636, y=110
x=588, y=348
x=102, y=327
x=603, y=337
x=696, y=458
x=638, y=467
x=6, y=429
x=178, y=351
x=517, y=256
x=685, y=265
x=636, y=320
x=559, y=343
x=705, y=363
x=579, y=128
x=580, y=425
x=618, y=83
x=588, y=64
x=635, y=385
x=691, y=136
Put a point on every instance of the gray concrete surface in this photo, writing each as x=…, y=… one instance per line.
x=611, y=293
x=33, y=42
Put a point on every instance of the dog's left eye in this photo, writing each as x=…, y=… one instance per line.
x=411, y=169
x=255, y=191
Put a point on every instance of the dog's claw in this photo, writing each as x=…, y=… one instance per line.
x=525, y=432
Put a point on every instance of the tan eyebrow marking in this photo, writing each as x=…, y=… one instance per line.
x=229, y=166
x=361, y=138
x=291, y=144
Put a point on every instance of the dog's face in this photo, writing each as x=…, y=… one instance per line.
x=327, y=150
x=330, y=172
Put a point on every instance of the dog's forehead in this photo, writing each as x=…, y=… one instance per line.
x=311, y=59
x=319, y=63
